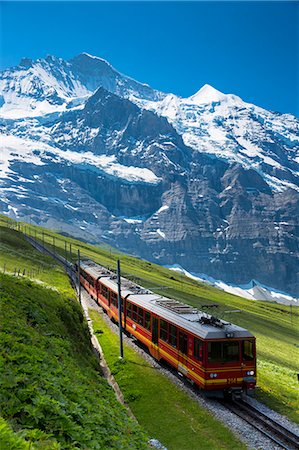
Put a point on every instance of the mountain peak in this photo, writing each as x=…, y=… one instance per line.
x=88, y=58
x=207, y=94
x=88, y=55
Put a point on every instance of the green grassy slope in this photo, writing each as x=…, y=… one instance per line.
x=44, y=386
x=274, y=326
x=16, y=254
x=52, y=392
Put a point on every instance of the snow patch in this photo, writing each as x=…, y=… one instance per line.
x=14, y=210
x=133, y=220
x=161, y=233
x=19, y=149
x=15, y=149
x=252, y=291
x=163, y=208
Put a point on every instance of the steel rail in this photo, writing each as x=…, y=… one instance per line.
x=269, y=427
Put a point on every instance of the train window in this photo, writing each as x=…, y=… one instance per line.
x=215, y=351
x=231, y=351
x=105, y=291
x=247, y=351
x=183, y=341
x=197, y=352
x=114, y=299
x=173, y=335
x=90, y=280
x=223, y=351
x=147, y=321
x=163, y=330
x=140, y=316
x=134, y=314
x=129, y=309
x=83, y=274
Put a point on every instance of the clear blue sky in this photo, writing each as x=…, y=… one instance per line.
x=246, y=48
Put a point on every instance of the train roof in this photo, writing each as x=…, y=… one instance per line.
x=185, y=316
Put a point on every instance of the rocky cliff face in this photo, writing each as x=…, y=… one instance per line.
x=208, y=182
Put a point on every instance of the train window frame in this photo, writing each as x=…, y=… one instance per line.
x=198, y=349
x=114, y=299
x=129, y=309
x=140, y=316
x=251, y=357
x=147, y=320
x=105, y=291
x=164, y=330
x=173, y=335
x=134, y=312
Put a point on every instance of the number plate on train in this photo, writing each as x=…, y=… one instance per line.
x=231, y=380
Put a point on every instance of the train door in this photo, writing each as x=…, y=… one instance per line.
x=155, y=337
x=183, y=352
x=248, y=365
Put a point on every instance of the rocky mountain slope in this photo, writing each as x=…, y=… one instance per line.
x=209, y=182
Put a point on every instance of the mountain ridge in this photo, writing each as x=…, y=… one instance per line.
x=210, y=186
x=52, y=81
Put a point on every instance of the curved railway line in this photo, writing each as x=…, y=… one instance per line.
x=269, y=427
x=279, y=435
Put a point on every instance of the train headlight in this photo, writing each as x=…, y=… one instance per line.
x=229, y=335
x=213, y=375
x=250, y=372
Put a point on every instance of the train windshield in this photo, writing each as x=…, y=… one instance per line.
x=228, y=351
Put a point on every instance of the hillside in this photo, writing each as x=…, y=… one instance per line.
x=275, y=326
x=209, y=182
x=53, y=395
x=58, y=388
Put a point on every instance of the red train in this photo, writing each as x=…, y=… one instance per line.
x=214, y=354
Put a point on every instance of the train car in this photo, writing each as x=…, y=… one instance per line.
x=214, y=354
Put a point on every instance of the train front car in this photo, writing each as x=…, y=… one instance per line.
x=229, y=358
x=216, y=355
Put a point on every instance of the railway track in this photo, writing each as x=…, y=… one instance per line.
x=269, y=427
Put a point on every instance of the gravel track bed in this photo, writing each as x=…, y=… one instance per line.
x=248, y=434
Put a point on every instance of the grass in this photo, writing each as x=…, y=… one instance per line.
x=53, y=395
x=163, y=409
x=17, y=254
x=275, y=326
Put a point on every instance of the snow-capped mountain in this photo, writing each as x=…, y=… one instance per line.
x=209, y=182
x=35, y=88
x=208, y=121
x=233, y=130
